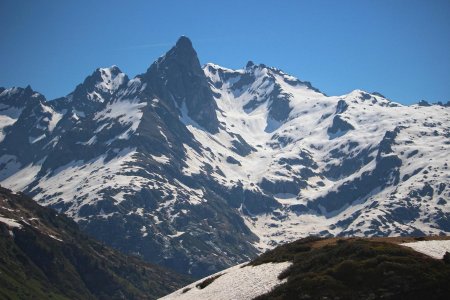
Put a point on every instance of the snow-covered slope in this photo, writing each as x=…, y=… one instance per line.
x=200, y=169
x=239, y=282
x=436, y=249
x=351, y=164
x=96, y=89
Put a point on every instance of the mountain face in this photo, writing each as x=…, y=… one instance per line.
x=96, y=89
x=200, y=168
x=178, y=76
x=44, y=256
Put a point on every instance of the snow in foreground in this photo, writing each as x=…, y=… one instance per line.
x=434, y=249
x=236, y=283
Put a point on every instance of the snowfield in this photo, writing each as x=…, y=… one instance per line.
x=419, y=184
x=239, y=282
x=434, y=249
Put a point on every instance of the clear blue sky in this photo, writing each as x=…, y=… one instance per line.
x=398, y=48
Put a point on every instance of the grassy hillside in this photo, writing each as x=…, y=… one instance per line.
x=43, y=255
x=357, y=268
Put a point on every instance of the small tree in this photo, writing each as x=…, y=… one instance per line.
x=446, y=257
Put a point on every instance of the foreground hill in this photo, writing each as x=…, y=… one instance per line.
x=201, y=168
x=337, y=268
x=43, y=255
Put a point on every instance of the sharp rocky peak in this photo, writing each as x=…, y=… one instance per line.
x=249, y=64
x=105, y=79
x=184, y=42
x=178, y=75
x=181, y=55
x=18, y=96
x=97, y=88
x=17, y=90
x=272, y=72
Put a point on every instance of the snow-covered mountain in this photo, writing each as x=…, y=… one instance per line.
x=356, y=164
x=202, y=168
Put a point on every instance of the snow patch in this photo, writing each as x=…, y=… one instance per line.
x=10, y=222
x=21, y=178
x=179, y=233
x=434, y=249
x=238, y=282
x=33, y=140
x=55, y=238
x=126, y=112
x=8, y=116
x=161, y=159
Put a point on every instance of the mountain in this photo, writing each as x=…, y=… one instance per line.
x=317, y=268
x=201, y=168
x=44, y=255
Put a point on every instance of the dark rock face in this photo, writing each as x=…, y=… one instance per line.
x=93, y=93
x=279, y=107
x=350, y=162
x=233, y=161
x=18, y=97
x=256, y=203
x=276, y=187
x=299, y=208
x=241, y=147
x=443, y=220
x=32, y=128
x=341, y=107
x=365, y=96
x=385, y=147
x=252, y=202
x=405, y=214
x=277, y=100
x=423, y=103
x=96, y=96
x=385, y=173
x=378, y=94
x=195, y=251
x=339, y=127
x=179, y=76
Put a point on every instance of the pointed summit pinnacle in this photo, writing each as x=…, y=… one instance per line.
x=184, y=42
x=183, y=53
x=183, y=49
x=178, y=75
x=249, y=64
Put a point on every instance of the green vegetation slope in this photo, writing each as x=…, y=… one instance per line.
x=357, y=268
x=43, y=255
